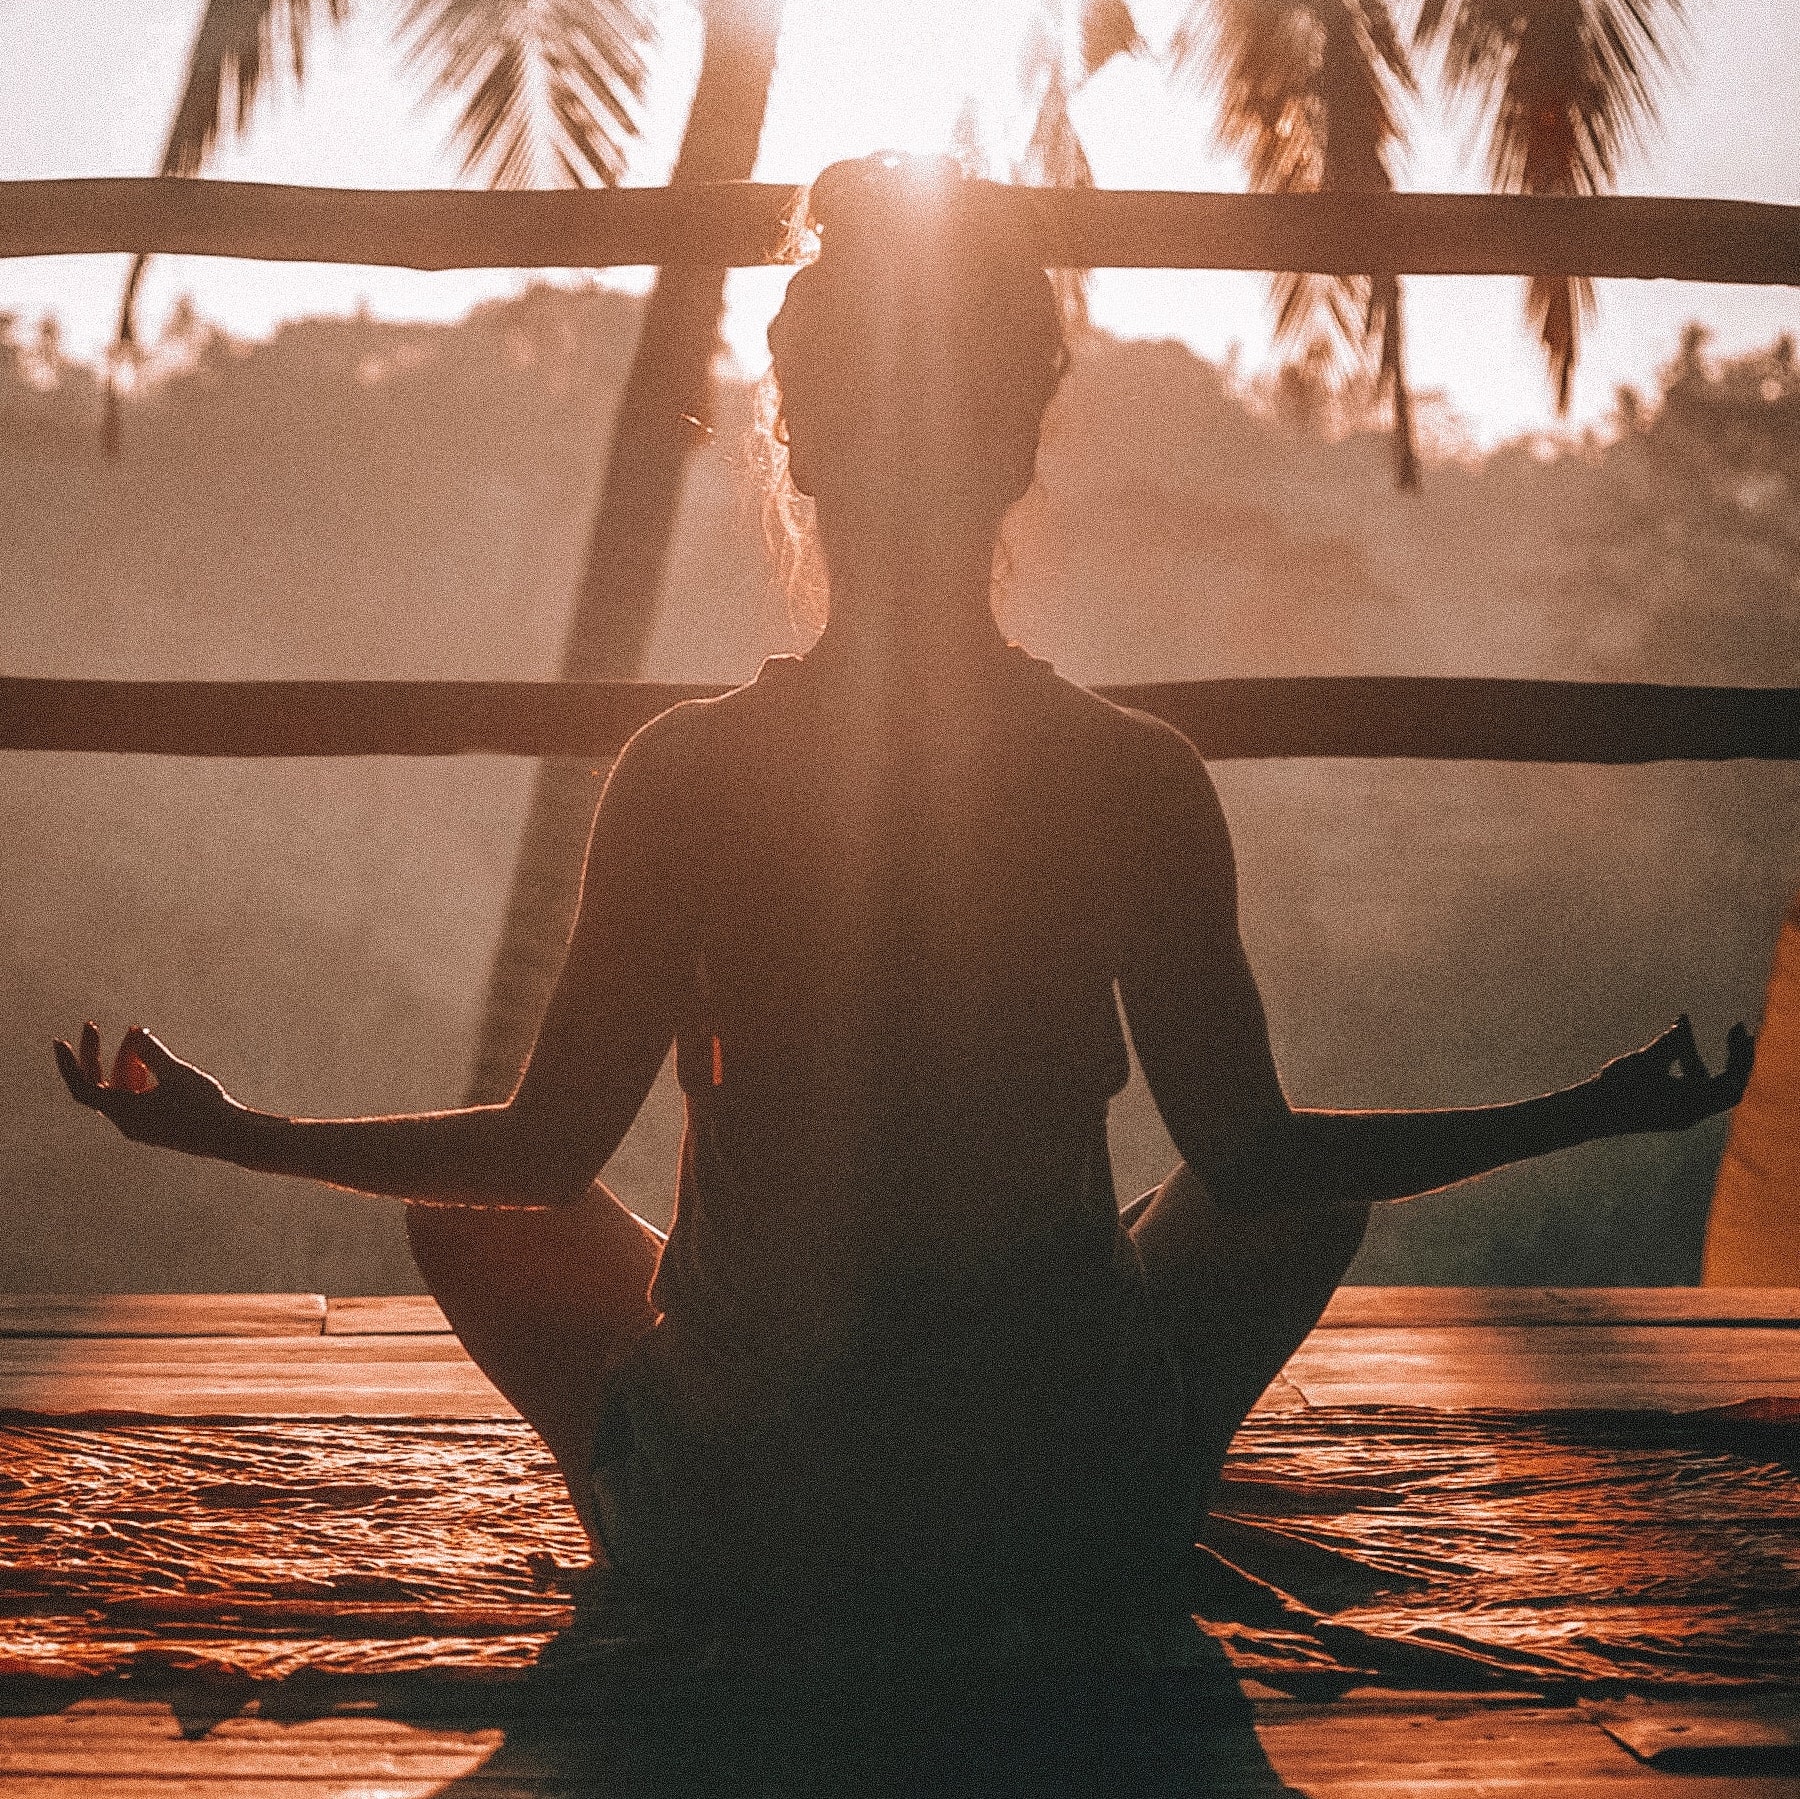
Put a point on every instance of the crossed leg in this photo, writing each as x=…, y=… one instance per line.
x=1236, y=1294
x=545, y=1302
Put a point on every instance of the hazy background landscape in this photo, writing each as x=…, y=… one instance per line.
x=357, y=498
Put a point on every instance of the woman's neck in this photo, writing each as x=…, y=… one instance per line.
x=921, y=610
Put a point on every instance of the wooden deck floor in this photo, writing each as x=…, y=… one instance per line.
x=300, y=1355
x=1426, y=1749
x=304, y=1356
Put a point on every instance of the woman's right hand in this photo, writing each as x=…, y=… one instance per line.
x=151, y=1095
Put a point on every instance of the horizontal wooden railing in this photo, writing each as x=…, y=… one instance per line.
x=1448, y=718
x=741, y=224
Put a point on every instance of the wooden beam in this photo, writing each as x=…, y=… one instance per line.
x=1389, y=716
x=332, y=718
x=162, y=1314
x=1412, y=1308
x=740, y=224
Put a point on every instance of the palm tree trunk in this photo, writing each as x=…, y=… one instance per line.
x=663, y=412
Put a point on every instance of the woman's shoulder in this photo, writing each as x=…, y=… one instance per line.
x=696, y=727
x=1140, y=740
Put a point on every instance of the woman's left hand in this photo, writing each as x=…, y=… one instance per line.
x=1665, y=1085
x=151, y=1095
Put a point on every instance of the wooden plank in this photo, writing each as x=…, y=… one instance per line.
x=161, y=1314
x=333, y=718
x=427, y=1374
x=417, y=1376
x=416, y=1314
x=1402, y=1747
x=111, y=1737
x=1240, y=1782
x=1442, y=1747
x=1449, y=1747
x=1683, y=1738
x=1396, y=1308
x=32, y=1355
x=1386, y=716
x=741, y=224
x=1548, y=1367
x=385, y=1315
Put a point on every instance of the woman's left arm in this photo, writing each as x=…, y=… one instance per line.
x=1663, y=1086
x=1197, y=1020
x=608, y=1027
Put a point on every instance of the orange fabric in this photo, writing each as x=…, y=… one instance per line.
x=1753, y=1232
x=1449, y=1549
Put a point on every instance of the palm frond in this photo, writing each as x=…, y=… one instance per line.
x=551, y=90
x=1307, y=89
x=236, y=52
x=1054, y=154
x=1309, y=93
x=1567, y=88
x=1063, y=50
x=1107, y=30
x=1060, y=53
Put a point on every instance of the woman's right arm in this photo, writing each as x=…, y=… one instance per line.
x=608, y=1027
x=475, y=1155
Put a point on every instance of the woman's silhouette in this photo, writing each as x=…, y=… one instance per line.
x=900, y=1347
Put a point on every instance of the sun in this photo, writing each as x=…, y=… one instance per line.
x=864, y=75
x=857, y=76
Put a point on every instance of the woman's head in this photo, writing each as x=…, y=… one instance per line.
x=915, y=355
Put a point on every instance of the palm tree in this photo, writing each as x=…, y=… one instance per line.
x=1566, y=88
x=551, y=91
x=665, y=409
x=1310, y=93
x=550, y=88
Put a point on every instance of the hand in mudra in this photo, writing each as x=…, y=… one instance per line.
x=151, y=1095
x=1665, y=1085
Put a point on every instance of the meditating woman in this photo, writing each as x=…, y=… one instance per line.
x=900, y=1353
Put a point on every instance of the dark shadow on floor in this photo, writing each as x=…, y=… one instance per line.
x=695, y=1735
x=1117, y=1735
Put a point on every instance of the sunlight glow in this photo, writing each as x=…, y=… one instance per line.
x=858, y=76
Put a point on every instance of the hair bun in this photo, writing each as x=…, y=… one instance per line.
x=878, y=202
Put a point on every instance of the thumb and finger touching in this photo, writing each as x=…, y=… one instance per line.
x=131, y=1071
x=1724, y=1089
x=1671, y=1081
x=138, y=1067
x=1687, y=1051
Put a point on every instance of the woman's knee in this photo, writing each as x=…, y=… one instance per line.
x=1246, y=1284
x=593, y=1254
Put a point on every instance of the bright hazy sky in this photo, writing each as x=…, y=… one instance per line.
x=88, y=86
